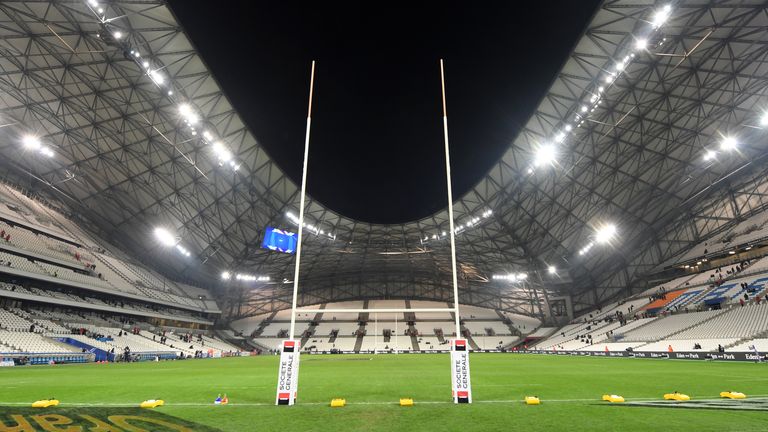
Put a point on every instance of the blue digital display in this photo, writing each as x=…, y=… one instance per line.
x=279, y=240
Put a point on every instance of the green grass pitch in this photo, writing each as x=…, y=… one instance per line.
x=569, y=387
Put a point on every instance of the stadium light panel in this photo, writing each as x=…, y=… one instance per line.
x=157, y=77
x=661, y=16
x=226, y=275
x=729, y=143
x=188, y=113
x=641, y=44
x=568, y=128
x=545, y=155
x=145, y=64
x=606, y=233
x=117, y=35
x=552, y=270
x=31, y=142
x=764, y=119
x=584, y=108
x=709, y=155
x=165, y=237
x=93, y=3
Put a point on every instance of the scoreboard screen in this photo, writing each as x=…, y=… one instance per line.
x=279, y=240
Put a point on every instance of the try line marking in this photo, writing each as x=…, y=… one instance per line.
x=252, y=404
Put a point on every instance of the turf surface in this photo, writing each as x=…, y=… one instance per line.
x=569, y=387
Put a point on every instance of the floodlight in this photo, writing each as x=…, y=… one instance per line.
x=764, y=119
x=568, y=128
x=188, y=113
x=47, y=151
x=641, y=44
x=145, y=64
x=661, y=16
x=584, y=108
x=545, y=155
x=552, y=270
x=606, y=233
x=226, y=275
x=31, y=142
x=157, y=77
x=709, y=155
x=165, y=237
x=522, y=276
x=729, y=143
x=560, y=137
x=207, y=135
x=117, y=35
x=93, y=3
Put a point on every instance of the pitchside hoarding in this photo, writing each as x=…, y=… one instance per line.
x=686, y=355
x=288, y=373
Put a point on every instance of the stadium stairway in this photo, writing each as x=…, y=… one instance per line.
x=414, y=339
x=468, y=335
x=319, y=316
x=359, y=341
x=263, y=325
x=512, y=329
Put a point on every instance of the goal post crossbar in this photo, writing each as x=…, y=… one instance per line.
x=389, y=310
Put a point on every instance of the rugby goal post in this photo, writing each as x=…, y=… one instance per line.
x=288, y=371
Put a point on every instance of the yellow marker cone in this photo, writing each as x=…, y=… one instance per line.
x=733, y=395
x=680, y=397
x=45, y=403
x=612, y=398
x=152, y=403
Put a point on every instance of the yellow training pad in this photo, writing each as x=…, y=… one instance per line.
x=338, y=403
x=733, y=395
x=613, y=398
x=152, y=403
x=532, y=400
x=677, y=397
x=406, y=402
x=45, y=403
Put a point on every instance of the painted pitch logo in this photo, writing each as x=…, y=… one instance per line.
x=94, y=419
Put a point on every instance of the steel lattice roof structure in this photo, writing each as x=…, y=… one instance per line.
x=630, y=153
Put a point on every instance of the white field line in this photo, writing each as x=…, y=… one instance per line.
x=417, y=402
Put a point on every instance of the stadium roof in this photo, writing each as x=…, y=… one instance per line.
x=142, y=136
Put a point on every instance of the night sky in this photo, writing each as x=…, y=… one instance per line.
x=377, y=148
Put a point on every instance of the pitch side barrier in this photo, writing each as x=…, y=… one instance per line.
x=682, y=355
